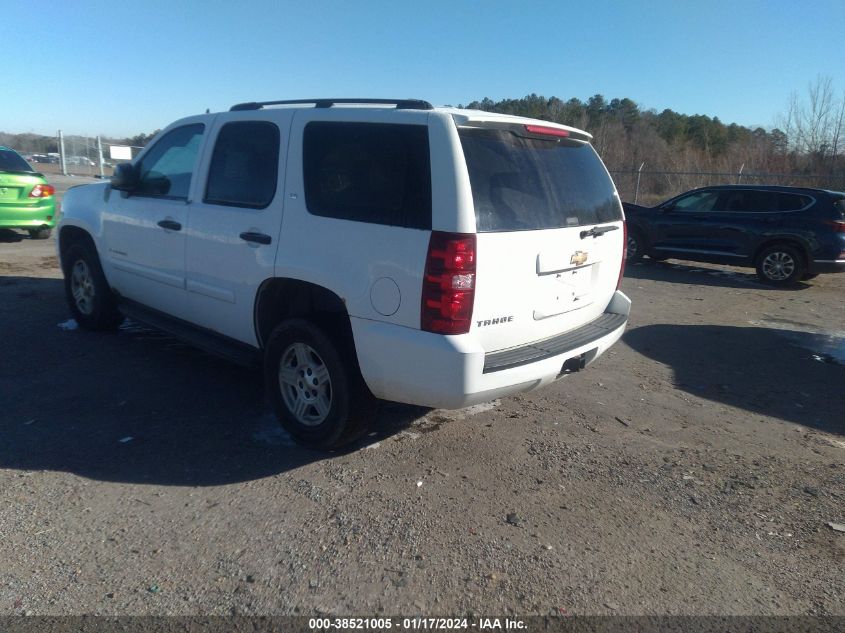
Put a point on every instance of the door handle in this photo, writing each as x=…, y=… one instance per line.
x=170, y=225
x=258, y=238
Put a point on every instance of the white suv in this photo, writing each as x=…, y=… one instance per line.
x=359, y=248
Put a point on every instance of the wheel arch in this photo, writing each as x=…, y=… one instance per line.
x=282, y=298
x=70, y=234
x=802, y=248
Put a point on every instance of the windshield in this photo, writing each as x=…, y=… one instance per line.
x=521, y=183
x=11, y=161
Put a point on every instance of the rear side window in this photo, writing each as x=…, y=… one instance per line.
x=521, y=184
x=749, y=200
x=244, y=166
x=792, y=202
x=12, y=161
x=368, y=172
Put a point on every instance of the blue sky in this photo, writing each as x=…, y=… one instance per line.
x=120, y=68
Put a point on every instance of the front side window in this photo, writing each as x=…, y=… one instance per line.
x=244, y=166
x=167, y=168
x=700, y=201
x=368, y=172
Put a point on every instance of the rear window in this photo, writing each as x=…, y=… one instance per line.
x=368, y=172
x=11, y=161
x=521, y=184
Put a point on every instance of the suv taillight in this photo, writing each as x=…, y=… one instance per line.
x=624, y=253
x=42, y=191
x=838, y=225
x=448, y=290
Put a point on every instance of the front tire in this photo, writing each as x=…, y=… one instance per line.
x=89, y=297
x=635, y=247
x=780, y=265
x=318, y=397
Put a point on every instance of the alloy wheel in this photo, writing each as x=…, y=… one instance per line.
x=82, y=287
x=305, y=384
x=632, y=247
x=778, y=266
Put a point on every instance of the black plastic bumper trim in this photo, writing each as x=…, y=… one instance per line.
x=555, y=346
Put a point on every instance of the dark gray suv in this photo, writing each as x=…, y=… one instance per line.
x=786, y=233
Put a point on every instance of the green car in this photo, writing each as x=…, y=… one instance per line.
x=26, y=200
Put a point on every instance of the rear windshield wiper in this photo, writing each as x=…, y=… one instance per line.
x=596, y=231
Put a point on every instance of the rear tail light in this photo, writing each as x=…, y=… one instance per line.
x=624, y=253
x=838, y=225
x=448, y=291
x=42, y=191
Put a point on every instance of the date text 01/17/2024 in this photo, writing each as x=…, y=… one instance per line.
x=415, y=623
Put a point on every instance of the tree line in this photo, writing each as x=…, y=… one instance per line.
x=678, y=151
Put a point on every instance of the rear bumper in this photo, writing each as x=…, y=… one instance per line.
x=451, y=372
x=28, y=216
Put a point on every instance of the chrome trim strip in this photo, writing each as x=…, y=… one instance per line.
x=696, y=250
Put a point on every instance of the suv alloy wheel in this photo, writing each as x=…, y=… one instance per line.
x=780, y=265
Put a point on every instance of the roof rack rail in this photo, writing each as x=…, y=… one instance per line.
x=401, y=104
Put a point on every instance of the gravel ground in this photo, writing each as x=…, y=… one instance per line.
x=691, y=470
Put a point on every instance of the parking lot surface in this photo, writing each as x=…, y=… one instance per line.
x=694, y=469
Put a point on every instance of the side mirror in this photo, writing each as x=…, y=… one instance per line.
x=125, y=178
x=665, y=208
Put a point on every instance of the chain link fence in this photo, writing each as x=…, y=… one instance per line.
x=83, y=156
x=648, y=188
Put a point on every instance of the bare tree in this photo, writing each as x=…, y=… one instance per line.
x=813, y=123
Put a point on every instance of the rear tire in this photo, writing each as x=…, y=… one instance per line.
x=318, y=396
x=780, y=265
x=40, y=234
x=89, y=297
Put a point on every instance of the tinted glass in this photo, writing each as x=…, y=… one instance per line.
x=792, y=202
x=12, y=161
x=245, y=165
x=701, y=201
x=749, y=200
x=368, y=172
x=521, y=184
x=166, y=169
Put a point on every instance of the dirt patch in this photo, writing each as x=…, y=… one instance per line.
x=130, y=461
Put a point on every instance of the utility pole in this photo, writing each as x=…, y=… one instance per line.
x=639, y=173
x=62, y=152
x=100, y=156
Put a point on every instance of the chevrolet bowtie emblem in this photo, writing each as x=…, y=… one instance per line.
x=578, y=258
